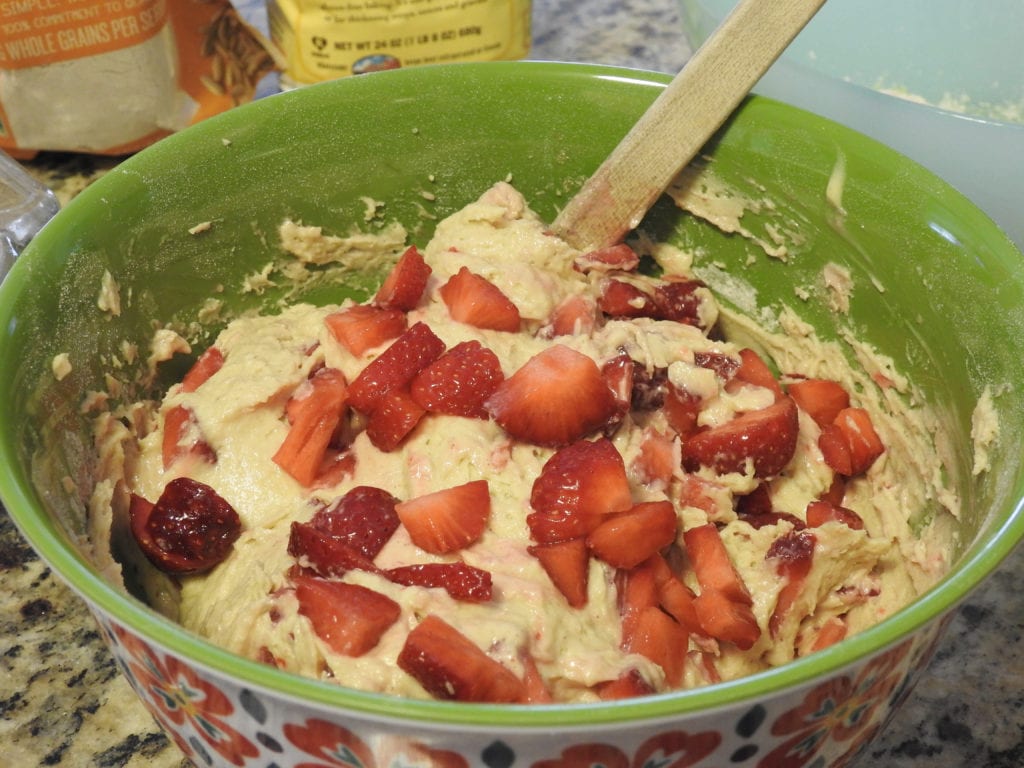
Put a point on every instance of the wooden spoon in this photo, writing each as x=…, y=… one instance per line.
x=681, y=120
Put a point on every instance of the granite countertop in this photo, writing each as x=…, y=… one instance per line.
x=64, y=703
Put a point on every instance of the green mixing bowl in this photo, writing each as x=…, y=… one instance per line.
x=938, y=288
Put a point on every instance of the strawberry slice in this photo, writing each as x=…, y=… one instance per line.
x=726, y=620
x=179, y=424
x=395, y=367
x=362, y=327
x=204, y=367
x=316, y=410
x=189, y=529
x=623, y=299
x=713, y=566
x=831, y=632
x=394, y=418
x=474, y=300
x=674, y=597
x=637, y=589
x=661, y=639
x=680, y=301
x=754, y=370
x=577, y=486
x=820, y=512
x=656, y=462
x=364, y=519
x=567, y=564
x=821, y=399
x=626, y=539
x=681, y=409
x=766, y=438
x=555, y=398
x=612, y=258
x=724, y=366
x=575, y=315
x=447, y=520
x=326, y=555
x=537, y=691
x=628, y=685
x=459, y=381
x=463, y=582
x=348, y=617
x=860, y=437
x=450, y=666
x=793, y=556
x=405, y=283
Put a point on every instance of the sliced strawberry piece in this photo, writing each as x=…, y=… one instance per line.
x=835, y=450
x=724, y=366
x=394, y=418
x=831, y=632
x=395, y=367
x=577, y=486
x=681, y=409
x=536, y=688
x=820, y=512
x=335, y=467
x=474, y=300
x=821, y=399
x=567, y=564
x=793, y=556
x=626, y=539
x=680, y=301
x=450, y=666
x=204, y=367
x=618, y=258
x=754, y=370
x=179, y=422
x=674, y=597
x=404, y=285
x=447, y=520
x=836, y=491
x=316, y=411
x=555, y=398
x=363, y=327
x=459, y=381
x=704, y=494
x=858, y=431
x=637, y=590
x=766, y=437
x=618, y=375
x=189, y=529
x=627, y=686
x=326, y=555
x=726, y=620
x=657, y=461
x=575, y=315
x=657, y=636
x=348, y=617
x=713, y=566
x=461, y=581
x=622, y=299
x=364, y=519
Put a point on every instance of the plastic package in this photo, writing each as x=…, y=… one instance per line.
x=25, y=206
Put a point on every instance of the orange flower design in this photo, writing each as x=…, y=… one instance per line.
x=672, y=749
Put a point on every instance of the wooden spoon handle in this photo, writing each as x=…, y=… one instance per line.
x=681, y=120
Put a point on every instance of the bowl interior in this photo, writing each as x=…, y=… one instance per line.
x=940, y=289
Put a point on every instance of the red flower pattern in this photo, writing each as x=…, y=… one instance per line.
x=671, y=749
x=338, y=747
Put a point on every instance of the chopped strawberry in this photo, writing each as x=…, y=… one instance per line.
x=703, y=494
x=395, y=367
x=362, y=327
x=793, y=556
x=726, y=620
x=459, y=381
x=858, y=432
x=325, y=554
x=395, y=417
x=836, y=491
x=179, y=423
x=364, y=518
x=711, y=562
x=628, y=685
x=657, y=636
x=680, y=301
x=461, y=581
x=555, y=398
x=348, y=617
x=536, y=688
x=831, y=632
x=681, y=409
x=335, y=467
x=820, y=512
x=821, y=399
x=626, y=539
x=657, y=461
x=674, y=597
x=577, y=486
x=189, y=529
x=208, y=364
x=618, y=258
x=724, y=366
x=567, y=564
x=576, y=315
x=404, y=285
x=637, y=590
x=623, y=299
x=447, y=520
x=754, y=370
x=618, y=375
x=766, y=438
x=476, y=301
x=450, y=666
x=316, y=410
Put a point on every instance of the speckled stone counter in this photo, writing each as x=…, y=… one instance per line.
x=63, y=702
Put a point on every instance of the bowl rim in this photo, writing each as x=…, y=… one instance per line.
x=103, y=599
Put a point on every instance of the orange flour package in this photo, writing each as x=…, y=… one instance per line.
x=112, y=76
